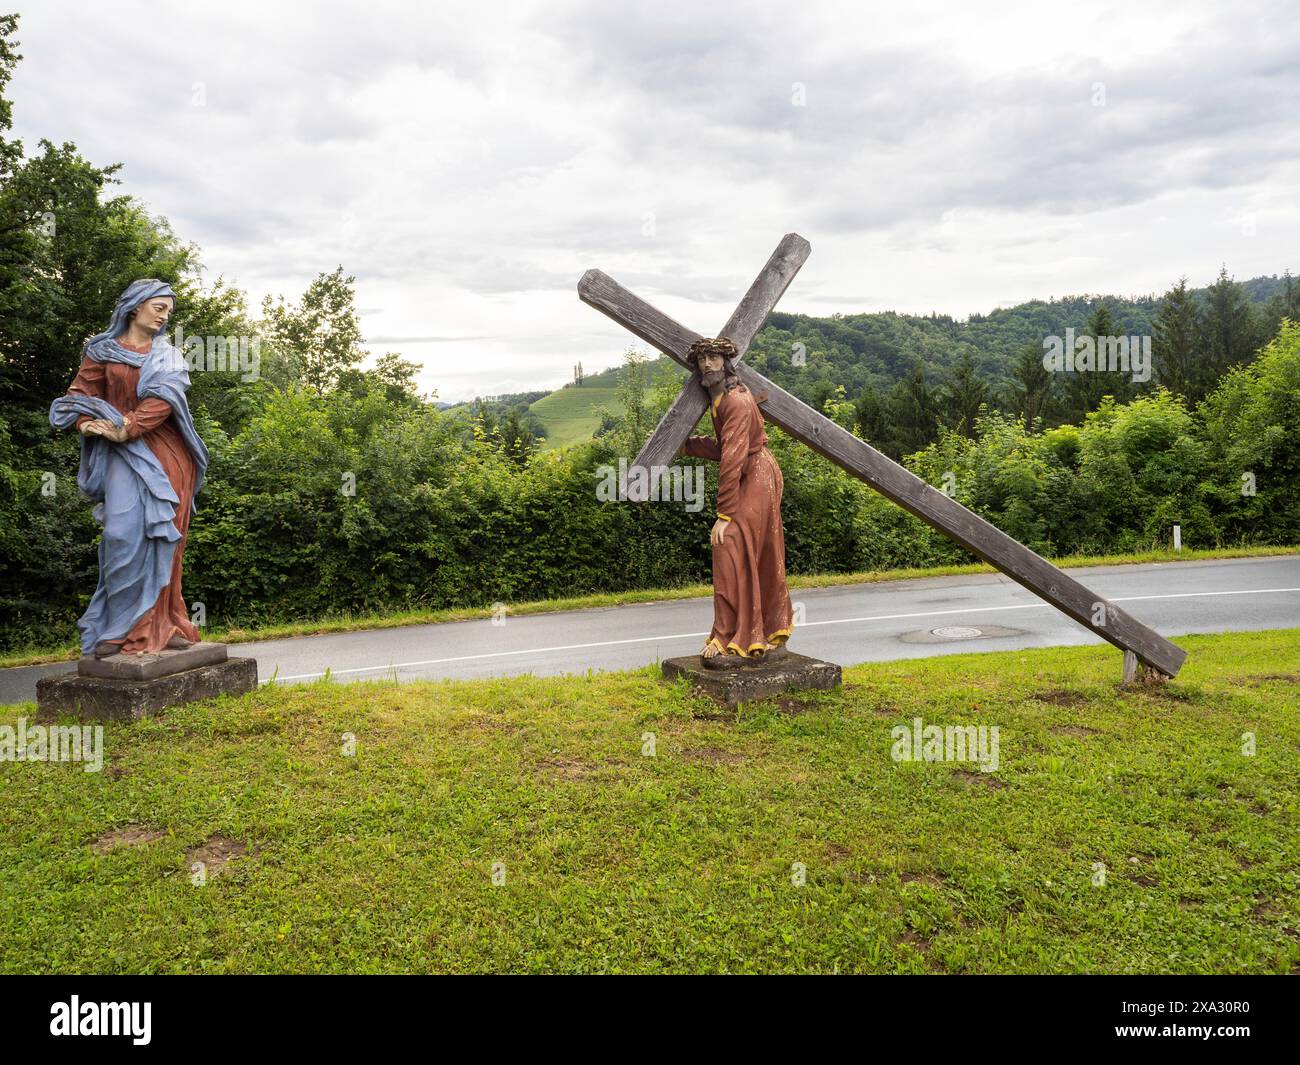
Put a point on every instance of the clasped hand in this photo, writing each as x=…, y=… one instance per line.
x=103, y=427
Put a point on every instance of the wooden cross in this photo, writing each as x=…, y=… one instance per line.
x=1141, y=645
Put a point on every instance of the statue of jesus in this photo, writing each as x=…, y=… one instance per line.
x=751, y=604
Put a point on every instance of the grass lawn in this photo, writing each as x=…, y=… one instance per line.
x=615, y=860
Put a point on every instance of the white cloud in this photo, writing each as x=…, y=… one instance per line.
x=467, y=165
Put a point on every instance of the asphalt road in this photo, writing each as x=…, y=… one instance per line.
x=846, y=624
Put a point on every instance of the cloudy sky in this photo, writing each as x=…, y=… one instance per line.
x=467, y=162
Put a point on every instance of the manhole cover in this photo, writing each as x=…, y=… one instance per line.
x=956, y=632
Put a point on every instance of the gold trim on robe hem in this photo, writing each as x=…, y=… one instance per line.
x=782, y=634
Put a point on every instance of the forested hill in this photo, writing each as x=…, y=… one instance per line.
x=879, y=351
x=860, y=350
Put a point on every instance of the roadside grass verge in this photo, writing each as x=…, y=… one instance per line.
x=346, y=622
x=686, y=860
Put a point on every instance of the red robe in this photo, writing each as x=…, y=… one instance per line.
x=751, y=604
x=151, y=419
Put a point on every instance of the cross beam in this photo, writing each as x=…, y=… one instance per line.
x=887, y=477
x=741, y=328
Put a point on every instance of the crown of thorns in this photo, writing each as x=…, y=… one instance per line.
x=711, y=346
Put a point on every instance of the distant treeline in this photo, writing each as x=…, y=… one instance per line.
x=910, y=376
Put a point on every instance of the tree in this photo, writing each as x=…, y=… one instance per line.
x=317, y=340
x=392, y=375
x=1282, y=305
x=1252, y=429
x=11, y=152
x=912, y=412
x=66, y=252
x=517, y=440
x=1030, y=394
x=1227, y=332
x=962, y=395
x=872, y=418
x=1085, y=388
x=634, y=397
x=1173, y=340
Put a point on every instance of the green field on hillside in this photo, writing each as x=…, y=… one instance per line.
x=571, y=415
x=614, y=822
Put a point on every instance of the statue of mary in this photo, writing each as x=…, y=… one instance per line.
x=142, y=462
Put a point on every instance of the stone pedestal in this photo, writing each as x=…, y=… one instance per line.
x=129, y=687
x=754, y=678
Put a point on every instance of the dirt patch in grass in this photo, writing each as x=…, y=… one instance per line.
x=1163, y=692
x=931, y=879
x=1264, y=910
x=987, y=780
x=1060, y=697
x=1078, y=731
x=712, y=756
x=794, y=706
x=1144, y=880
x=486, y=723
x=1265, y=678
x=707, y=710
x=215, y=852
x=915, y=940
x=836, y=853
x=567, y=768
x=127, y=836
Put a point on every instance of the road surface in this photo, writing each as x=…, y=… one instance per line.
x=847, y=624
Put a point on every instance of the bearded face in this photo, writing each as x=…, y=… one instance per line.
x=709, y=357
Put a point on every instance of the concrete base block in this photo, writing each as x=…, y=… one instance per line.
x=754, y=680
x=114, y=699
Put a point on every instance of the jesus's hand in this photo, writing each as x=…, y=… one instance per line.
x=719, y=532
